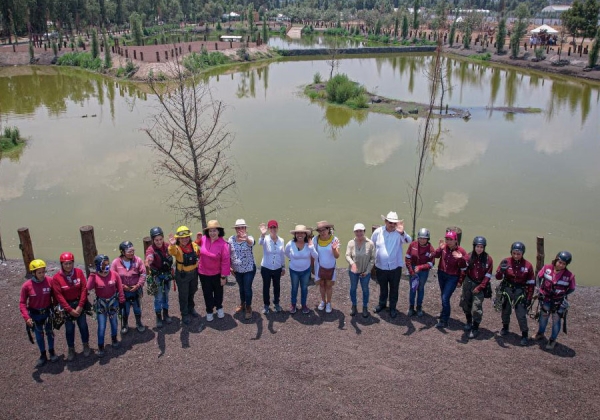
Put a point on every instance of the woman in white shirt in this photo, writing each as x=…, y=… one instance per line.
x=272, y=266
x=300, y=250
x=328, y=248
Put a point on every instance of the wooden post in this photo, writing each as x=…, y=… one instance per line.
x=88, y=242
x=147, y=242
x=26, y=248
x=539, y=262
x=157, y=56
x=141, y=56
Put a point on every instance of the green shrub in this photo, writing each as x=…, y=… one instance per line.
x=317, y=78
x=483, y=57
x=358, y=102
x=80, y=59
x=336, y=32
x=340, y=88
x=195, y=62
x=540, y=53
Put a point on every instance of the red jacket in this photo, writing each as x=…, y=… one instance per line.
x=135, y=274
x=106, y=287
x=35, y=295
x=555, y=285
x=422, y=257
x=480, y=272
x=69, y=288
x=518, y=273
x=450, y=265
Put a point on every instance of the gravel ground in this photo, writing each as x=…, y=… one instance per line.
x=306, y=366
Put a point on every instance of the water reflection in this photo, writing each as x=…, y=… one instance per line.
x=452, y=203
x=381, y=147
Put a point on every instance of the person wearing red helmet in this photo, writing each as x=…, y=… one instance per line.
x=517, y=275
x=69, y=286
x=36, y=307
x=451, y=271
x=556, y=283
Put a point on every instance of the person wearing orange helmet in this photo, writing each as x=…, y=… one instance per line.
x=69, y=286
x=36, y=307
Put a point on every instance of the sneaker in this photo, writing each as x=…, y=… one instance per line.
x=551, y=344
x=441, y=324
x=539, y=336
x=86, y=350
x=266, y=309
x=210, y=317
x=125, y=329
x=292, y=309
x=328, y=307
x=185, y=319
x=321, y=306
x=420, y=312
x=524, y=341
x=411, y=311
x=141, y=328
x=467, y=327
x=474, y=333
x=504, y=332
x=53, y=358
x=305, y=309
x=115, y=344
x=353, y=310
x=100, y=352
x=277, y=308
x=40, y=362
x=71, y=354
x=220, y=313
x=365, y=312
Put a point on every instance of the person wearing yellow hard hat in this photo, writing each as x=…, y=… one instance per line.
x=186, y=255
x=36, y=307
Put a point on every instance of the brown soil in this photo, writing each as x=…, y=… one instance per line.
x=306, y=366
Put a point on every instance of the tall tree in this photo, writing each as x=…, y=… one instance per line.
x=582, y=19
x=191, y=141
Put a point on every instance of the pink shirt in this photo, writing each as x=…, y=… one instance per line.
x=106, y=287
x=35, y=295
x=214, y=257
x=135, y=274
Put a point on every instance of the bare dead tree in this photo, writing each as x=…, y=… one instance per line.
x=428, y=136
x=333, y=61
x=191, y=140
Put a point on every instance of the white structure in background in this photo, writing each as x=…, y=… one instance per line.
x=556, y=8
x=546, y=28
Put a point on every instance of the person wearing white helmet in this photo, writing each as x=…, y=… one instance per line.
x=360, y=254
x=36, y=306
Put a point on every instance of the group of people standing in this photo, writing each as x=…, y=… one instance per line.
x=210, y=259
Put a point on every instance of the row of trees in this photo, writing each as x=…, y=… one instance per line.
x=32, y=16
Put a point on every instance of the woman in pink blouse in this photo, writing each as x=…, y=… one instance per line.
x=213, y=266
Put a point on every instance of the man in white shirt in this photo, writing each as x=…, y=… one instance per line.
x=389, y=260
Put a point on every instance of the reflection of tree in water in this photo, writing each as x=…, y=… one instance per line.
x=337, y=117
x=568, y=93
x=24, y=93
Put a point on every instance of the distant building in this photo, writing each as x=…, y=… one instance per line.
x=556, y=8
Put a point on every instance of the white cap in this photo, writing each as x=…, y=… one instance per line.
x=359, y=226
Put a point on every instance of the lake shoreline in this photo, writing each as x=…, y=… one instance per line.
x=574, y=70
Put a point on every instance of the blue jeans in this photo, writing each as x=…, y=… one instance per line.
x=102, y=327
x=81, y=322
x=364, y=285
x=244, y=281
x=447, y=287
x=545, y=316
x=132, y=299
x=420, y=292
x=300, y=278
x=40, y=326
x=161, y=299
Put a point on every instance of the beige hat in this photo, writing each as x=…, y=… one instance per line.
x=240, y=223
x=391, y=217
x=213, y=224
x=324, y=224
x=301, y=228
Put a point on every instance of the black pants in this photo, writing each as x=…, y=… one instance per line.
x=187, y=286
x=268, y=276
x=389, y=282
x=212, y=291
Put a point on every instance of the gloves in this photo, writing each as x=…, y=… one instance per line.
x=503, y=265
x=414, y=282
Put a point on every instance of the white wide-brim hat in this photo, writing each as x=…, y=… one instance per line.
x=391, y=217
x=240, y=223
